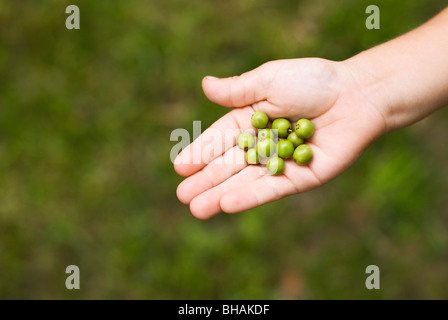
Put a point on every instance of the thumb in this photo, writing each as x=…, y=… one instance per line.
x=239, y=91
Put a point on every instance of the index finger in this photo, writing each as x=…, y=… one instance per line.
x=213, y=142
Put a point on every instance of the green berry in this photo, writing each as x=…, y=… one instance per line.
x=252, y=156
x=275, y=166
x=246, y=141
x=303, y=154
x=304, y=128
x=266, y=134
x=294, y=138
x=260, y=120
x=283, y=127
x=285, y=149
x=265, y=148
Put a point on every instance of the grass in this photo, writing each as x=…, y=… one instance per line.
x=85, y=176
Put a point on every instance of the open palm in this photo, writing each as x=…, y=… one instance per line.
x=323, y=91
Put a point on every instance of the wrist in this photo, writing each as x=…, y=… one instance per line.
x=366, y=87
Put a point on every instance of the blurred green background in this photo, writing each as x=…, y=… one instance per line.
x=86, y=179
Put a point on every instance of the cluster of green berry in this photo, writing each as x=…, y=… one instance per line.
x=277, y=143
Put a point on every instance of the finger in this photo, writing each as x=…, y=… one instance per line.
x=272, y=110
x=207, y=204
x=211, y=175
x=267, y=188
x=217, y=139
x=243, y=90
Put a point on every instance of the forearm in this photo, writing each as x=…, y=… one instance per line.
x=406, y=78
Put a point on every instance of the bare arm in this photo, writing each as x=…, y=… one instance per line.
x=406, y=78
x=351, y=103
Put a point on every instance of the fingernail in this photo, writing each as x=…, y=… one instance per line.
x=211, y=78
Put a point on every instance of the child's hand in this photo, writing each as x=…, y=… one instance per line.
x=351, y=103
x=323, y=91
